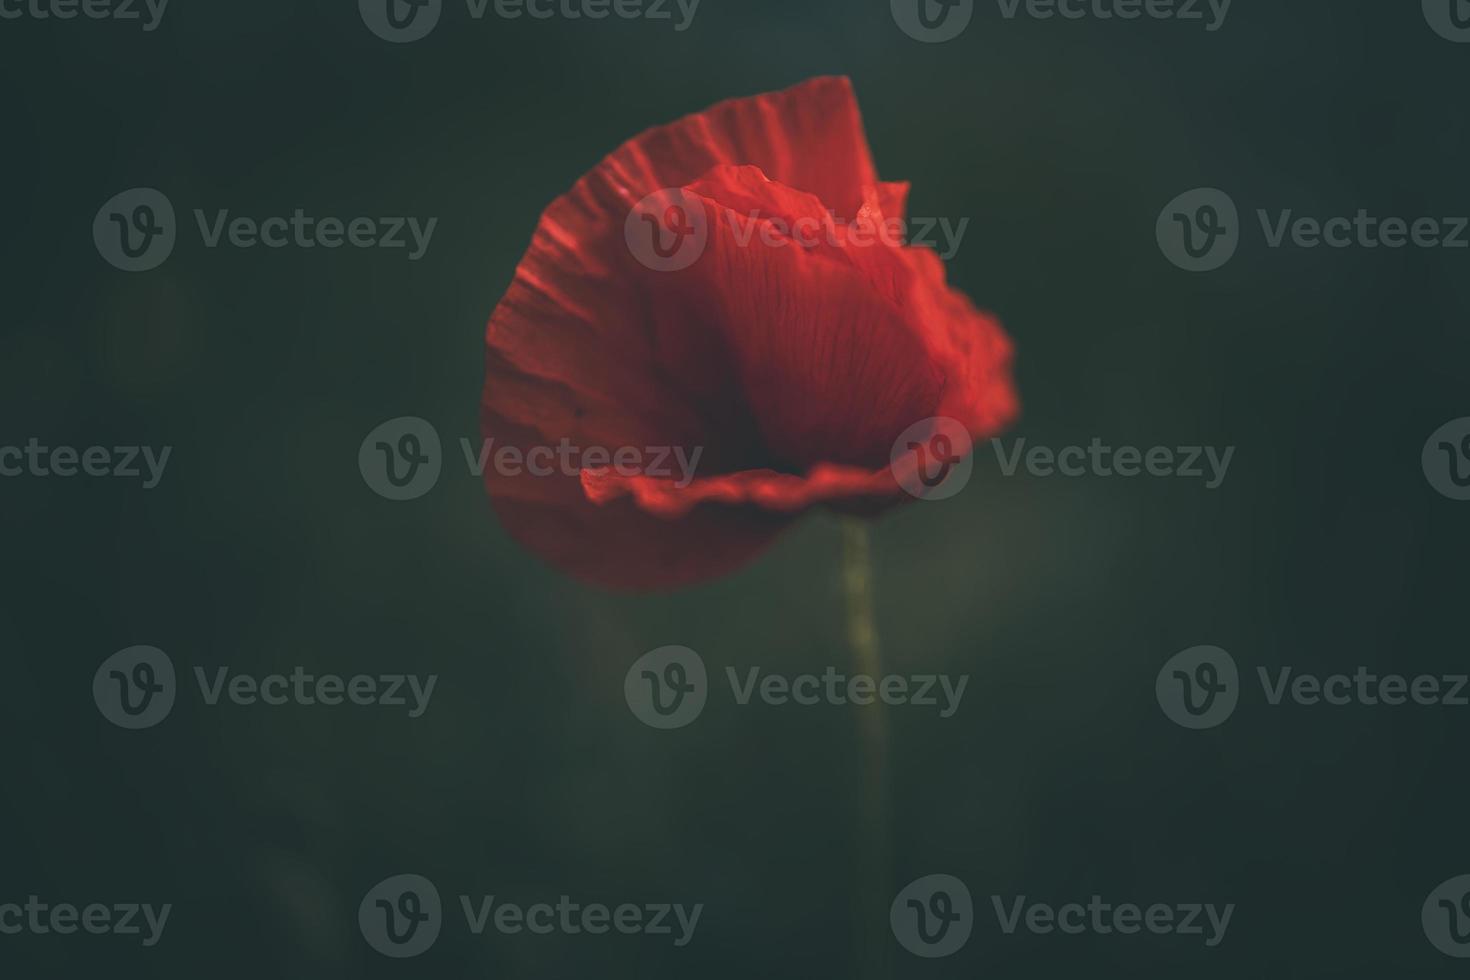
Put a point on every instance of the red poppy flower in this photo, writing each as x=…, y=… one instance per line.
x=723, y=285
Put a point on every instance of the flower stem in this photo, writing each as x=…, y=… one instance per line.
x=874, y=861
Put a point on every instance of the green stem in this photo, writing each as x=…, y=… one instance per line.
x=874, y=860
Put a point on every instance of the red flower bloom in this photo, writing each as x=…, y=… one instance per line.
x=723, y=285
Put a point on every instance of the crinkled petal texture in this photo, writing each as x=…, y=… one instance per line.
x=770, y=375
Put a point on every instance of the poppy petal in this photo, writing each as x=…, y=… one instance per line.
x=768, y=489
x=830, y=369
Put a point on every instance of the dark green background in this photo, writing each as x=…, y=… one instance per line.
x=529, y=778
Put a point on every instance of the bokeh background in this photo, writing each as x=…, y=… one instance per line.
x=529, y=778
